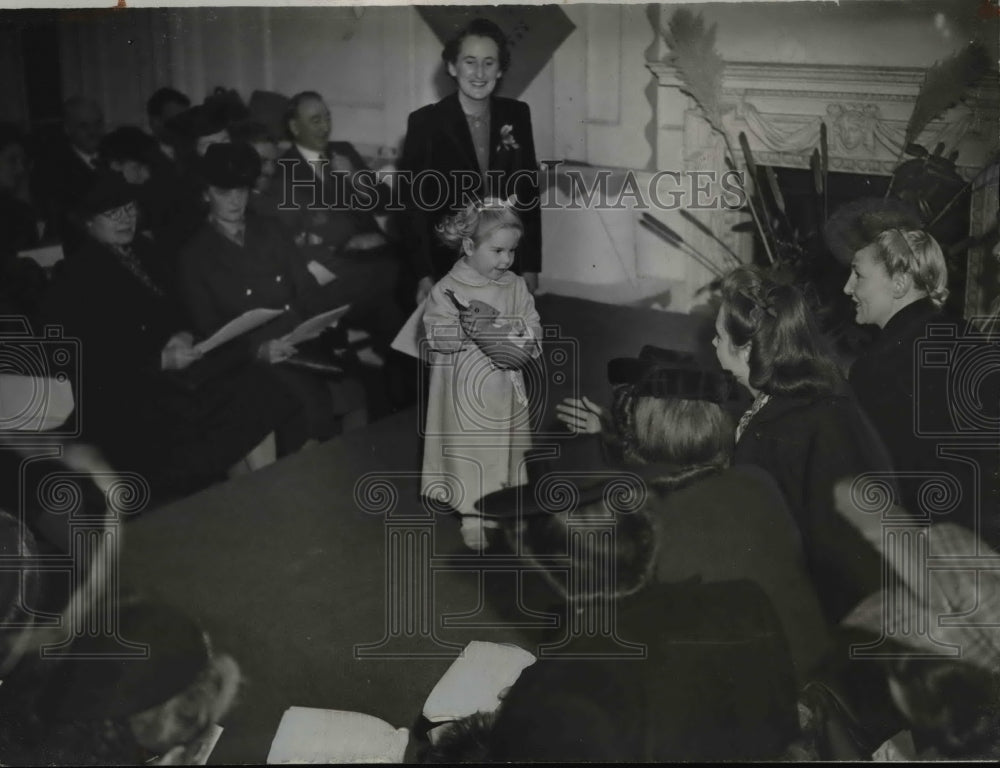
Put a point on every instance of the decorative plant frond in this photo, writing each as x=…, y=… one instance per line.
x=944, y=86
x=699, y=66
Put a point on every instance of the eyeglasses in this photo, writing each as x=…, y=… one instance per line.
x=121, y=214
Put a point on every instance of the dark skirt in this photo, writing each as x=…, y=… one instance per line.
x=183, y=439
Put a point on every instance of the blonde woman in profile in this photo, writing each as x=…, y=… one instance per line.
x=899, y=282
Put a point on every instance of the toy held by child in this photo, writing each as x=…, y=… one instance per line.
x=481, y=329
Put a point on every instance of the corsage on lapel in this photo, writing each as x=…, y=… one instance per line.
x=507, y=140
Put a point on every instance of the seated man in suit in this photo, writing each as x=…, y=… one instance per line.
x=330, y=194
x=327, y=200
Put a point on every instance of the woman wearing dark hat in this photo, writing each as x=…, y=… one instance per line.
x=714, y=681
x=714, y=521
x=235, y=263
x=133, y=405
x=176, y=207
x=130, y=152
x=470, y=135
x=101, y=706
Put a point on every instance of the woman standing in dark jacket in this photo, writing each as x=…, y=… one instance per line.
x=804, y=428
x=470, y=145
x=131, y=398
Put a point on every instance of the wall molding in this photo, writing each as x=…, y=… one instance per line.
x=781, y=108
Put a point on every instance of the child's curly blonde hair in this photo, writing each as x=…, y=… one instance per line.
x=477, y=221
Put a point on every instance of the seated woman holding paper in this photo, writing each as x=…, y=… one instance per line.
x=133, y=352
x=237, y=263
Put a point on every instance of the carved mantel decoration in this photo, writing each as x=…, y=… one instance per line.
x=780, y=108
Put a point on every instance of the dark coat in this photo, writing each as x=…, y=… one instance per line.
x=142, y=417
x=171, y=202
x=22, y=281
x=438, y=139
x=63, y=178
x=807, y=445
x=716, y=684
x=317, y=206
x=907, y=400
x=220, y=280
x=735, y=525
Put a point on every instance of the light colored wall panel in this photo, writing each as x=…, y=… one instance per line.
x=603, y=65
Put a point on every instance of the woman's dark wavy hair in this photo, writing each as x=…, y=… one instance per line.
x=478, y=28
x=787, y=353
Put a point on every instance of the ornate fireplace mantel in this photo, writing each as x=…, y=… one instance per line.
x=780, y=108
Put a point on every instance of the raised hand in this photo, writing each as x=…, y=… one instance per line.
x=581, y=416
x=275, y=351
x=178, y=353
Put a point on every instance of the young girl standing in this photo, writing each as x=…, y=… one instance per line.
x=481, y=329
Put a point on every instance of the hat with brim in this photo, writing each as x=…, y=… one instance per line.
x=556, y=492
x=628, y=370
x=670, y=374
x=126, y=144
x=687, y=383
x=196, y=122
x=857, y=224
x=107, y=192
x=229, y=166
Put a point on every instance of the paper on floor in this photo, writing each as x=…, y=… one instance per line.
x=475, y=680
x=309, y=735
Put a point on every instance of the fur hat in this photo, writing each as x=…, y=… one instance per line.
x=552, y=508
x=229, y=166
x=855, y=225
